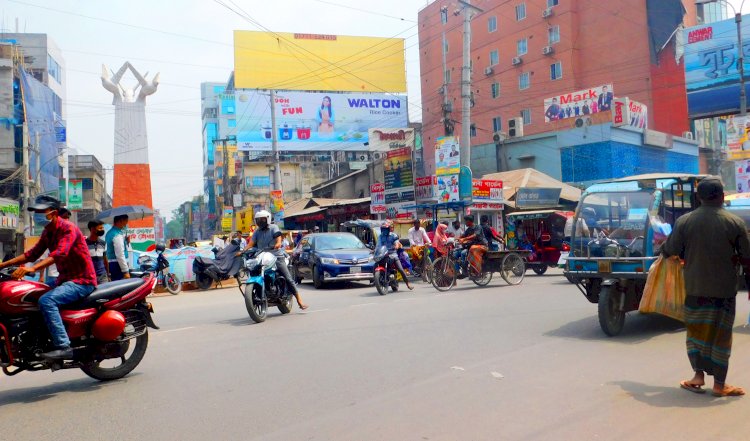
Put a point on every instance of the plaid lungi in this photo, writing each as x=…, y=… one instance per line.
x=709, y=322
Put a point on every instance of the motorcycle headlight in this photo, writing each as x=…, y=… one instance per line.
x=371, y=259
x=329, y=261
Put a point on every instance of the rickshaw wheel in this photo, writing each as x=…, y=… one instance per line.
x=514, y=269
x=611, y=318
x=539, y=269
x=443, y=275
x=482, y=280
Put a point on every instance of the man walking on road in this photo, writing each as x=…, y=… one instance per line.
x=710, y=239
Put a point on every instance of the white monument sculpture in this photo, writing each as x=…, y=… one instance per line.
x=132, y=174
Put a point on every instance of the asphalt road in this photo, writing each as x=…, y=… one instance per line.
x=497, y=363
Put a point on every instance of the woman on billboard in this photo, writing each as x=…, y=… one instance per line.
x=325, y=116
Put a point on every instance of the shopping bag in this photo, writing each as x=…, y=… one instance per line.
x=664, y=292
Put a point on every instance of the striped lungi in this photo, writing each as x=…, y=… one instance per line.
x=709, y=322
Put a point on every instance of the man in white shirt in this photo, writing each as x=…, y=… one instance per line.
x=243, y=241
x=455, y=229
x=417, y=235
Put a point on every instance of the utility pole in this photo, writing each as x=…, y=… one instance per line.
x=469, y=12
x=26, y=181
x=446, y=100
x=275, y=145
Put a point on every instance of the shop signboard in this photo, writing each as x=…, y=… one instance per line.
x=425, y=187
x=316, y=121
x=538, y=197
x=277, y=205
x=487, y=191
x=226, y=219
x=142, y=239
x=447, y=156
x=384, y=139
x=258, y=181
x=711, y=71
x=579, y=103
x=9, y=213
x=377, y=198
x=627, y=112
x=75, y=194
x=399, y=183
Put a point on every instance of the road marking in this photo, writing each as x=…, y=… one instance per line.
x=362, y=304
x=497, y=375
x=457, y=368
x=175, y=330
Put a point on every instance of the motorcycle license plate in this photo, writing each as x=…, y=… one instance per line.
x=355, y=270
x=563, y=258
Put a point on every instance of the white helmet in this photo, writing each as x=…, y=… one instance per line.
x=263, y=214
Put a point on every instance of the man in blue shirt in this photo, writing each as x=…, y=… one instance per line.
x=389, y=239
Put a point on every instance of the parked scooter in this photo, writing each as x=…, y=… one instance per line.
x=227, y=265
x=159, y=267
x=108, y=330
x=264, y=286
x=386, y=274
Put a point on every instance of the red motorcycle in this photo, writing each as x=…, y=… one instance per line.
x=108, y=330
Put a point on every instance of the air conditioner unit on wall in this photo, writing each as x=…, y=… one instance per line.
x=516, y=61
x=515, y=127
x=489, y=70
x=377, y=155
x=688, y=135
x=547, y=13
x=548, y=50
x=498, y=137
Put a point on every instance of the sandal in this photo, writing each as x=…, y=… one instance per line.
x=729, y=391
x=690, y=387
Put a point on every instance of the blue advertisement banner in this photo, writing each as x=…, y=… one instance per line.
x=711, y=70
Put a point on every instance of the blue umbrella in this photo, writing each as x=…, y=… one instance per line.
x=134, y=212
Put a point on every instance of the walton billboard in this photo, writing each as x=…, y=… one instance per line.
x=264, y=60
x=711, y=75
x=315, y=121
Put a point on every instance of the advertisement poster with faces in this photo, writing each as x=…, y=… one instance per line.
x=447, y=188
x=742, y=175
x=447, y=156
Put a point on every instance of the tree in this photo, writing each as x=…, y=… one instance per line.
x=176, y=226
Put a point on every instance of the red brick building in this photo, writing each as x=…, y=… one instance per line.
x=593, y=42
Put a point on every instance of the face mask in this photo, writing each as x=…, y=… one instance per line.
x=99, y=232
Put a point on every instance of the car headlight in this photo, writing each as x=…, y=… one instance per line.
x=329, y=261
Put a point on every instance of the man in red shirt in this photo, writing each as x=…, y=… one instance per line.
x=77, y=279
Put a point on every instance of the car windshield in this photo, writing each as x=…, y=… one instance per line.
x=606, y=219
x=344, y=241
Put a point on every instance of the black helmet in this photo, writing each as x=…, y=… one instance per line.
x=160, y=247
x=43, y=202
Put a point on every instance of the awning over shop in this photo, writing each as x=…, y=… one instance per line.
x=531, y=178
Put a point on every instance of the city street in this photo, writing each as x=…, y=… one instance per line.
x=499, y=363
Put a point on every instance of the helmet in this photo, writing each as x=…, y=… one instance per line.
x=387, y=224
x=263, y=214
x=108, y=326
x=160, y=247
x=588, y=211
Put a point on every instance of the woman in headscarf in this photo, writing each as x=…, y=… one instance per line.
x=475, y=240
x=441, y=240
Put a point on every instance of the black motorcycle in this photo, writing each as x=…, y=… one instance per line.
x=225, y=266
x=159, y=267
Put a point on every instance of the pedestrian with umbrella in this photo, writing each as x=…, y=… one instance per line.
x=117, y=252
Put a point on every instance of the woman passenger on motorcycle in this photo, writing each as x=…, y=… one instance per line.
x=389, y=239
x=477, y=243
x=268, y=236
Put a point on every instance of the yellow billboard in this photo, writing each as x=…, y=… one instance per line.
x=286, y=61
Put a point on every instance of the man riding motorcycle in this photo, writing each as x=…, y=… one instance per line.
x=389, y=239
x=268, y=236
x=77, y=279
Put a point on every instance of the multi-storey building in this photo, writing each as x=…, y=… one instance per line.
x=90, y=172
x=524, y=51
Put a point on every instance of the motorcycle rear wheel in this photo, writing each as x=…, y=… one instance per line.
x=381, y=282
x=172, y=283
x=257, y=310
x=286, y=304
x=204, y=282
x=95, y=370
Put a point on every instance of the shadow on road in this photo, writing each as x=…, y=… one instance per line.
x=638, y=328
x=247, y=321
x=35, y=394
x=661, y=396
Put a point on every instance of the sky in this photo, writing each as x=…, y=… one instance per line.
x=187, y=45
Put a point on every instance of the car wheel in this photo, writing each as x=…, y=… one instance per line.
x=317, y=277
